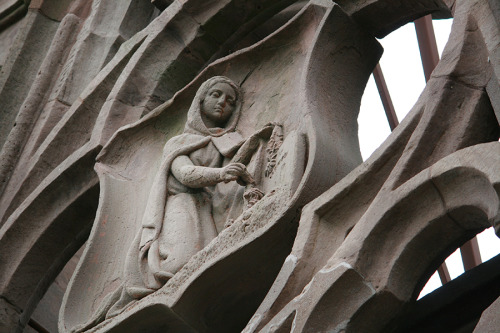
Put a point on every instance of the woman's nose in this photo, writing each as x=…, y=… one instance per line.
x=221, y=101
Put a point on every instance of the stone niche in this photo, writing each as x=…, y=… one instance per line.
x=207, y=153
x=294, y=142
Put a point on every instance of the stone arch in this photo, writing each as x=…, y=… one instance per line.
x=83, y=154
x=61, y=182
x=340, y=230
x=398, y=259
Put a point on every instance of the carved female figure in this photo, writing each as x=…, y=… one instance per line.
x=188, y=205
x=194, y=194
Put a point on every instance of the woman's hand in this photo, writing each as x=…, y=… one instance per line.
x=236, y=171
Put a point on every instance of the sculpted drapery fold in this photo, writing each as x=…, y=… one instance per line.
x=169, y=204
x=242, y=202
x=197, y=191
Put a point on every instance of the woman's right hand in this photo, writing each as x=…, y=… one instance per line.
x=236, y=171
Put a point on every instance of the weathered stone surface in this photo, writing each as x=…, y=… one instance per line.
x=493, y=90
x=49, y=160
x=429, y=209
x=392, y=287
x=489, y=321
x=67, y=71
x=456, y=306
x=26, y=119
x=370, y=241
x=7, y=37
x=69, y=130
x=380, y=17
x=21, y=66
x=55, y=10
x=326, y=123
x=46, y=313
x=8, y=6
x=9, y=315
x=58, y=240
x=12, y=11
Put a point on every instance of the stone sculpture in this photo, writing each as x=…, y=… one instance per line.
x=314, y=145
x=197, y=191
x=324, y=242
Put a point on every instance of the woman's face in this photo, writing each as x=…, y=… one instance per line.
x=219, y=104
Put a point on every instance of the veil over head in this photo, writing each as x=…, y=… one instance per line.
x=196, y=136
x=195, y=124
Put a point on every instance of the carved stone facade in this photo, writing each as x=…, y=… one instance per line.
x=114, y=134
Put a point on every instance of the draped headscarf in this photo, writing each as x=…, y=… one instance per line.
x=195, y=124
x=196, y=135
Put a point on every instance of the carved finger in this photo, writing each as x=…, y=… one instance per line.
x=229, y=178
x=234, y=171
x=247, y=178
x=239, y=166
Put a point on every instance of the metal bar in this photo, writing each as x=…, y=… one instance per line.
x=430, y=58
x=444, y=275
x=471, y=256
x=429, y=55
x=455, y=305
x=37, y=327
x=427, y=44
x=392, y=118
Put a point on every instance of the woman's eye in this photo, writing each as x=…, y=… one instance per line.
x=230, y=101
x=215, y=94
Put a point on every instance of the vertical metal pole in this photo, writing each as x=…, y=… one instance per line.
x=430, y=57
x=392, y=118
x=427, y=45
x=444, y=275
x=470, y=254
